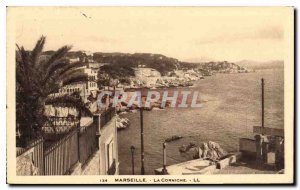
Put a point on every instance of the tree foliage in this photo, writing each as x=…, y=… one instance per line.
x=159, y=62
x=112, y=74
x=36, y=78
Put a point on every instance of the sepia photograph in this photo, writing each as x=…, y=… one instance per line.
x=150, y=95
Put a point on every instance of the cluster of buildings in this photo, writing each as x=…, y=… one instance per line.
x=151, y=78
x=85, y=88
x=144, y=77
x=211, y=68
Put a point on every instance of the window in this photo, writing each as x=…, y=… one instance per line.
x=110, y=158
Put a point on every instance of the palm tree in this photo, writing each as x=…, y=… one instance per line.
x=36, y=79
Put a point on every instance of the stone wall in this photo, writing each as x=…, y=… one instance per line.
x=93, y=166
x=25, y=165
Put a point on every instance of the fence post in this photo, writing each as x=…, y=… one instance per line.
x=164, y=170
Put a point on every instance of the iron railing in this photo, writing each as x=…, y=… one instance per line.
x=88, y=143
x=62, y=155
x=59, y=152
x=106, y=116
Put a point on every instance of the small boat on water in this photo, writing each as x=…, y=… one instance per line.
x=173, y=138
x=122, y=123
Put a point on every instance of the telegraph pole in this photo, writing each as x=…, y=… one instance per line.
x=262, y=104
x=142, y=142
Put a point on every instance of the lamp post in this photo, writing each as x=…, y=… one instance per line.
x=164, y=170
x=132, y=148
x=262, y=103
x=142, y=142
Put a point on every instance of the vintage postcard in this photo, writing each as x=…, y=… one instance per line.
x=150, y=95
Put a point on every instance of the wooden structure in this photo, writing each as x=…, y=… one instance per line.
x=268, y=146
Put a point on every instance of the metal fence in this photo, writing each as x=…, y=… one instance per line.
x=106, y=116
x=66, y=145
x=62, y=155
x=77, y=145
x=88, y=143
x=60, y=125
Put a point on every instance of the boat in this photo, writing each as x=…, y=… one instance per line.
x=122, y=123
x=173, y=138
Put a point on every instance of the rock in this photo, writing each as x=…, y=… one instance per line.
x=185, y=148
x=25, y=166
x=205, y=150
x=217, y=148
x=197, y=152
x=212, y=151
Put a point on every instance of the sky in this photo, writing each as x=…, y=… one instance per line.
x=188, y=34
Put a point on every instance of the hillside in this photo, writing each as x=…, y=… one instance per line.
x=156, y=61
x=160, y=62
x=166, y=64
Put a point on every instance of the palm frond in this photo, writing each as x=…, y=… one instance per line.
x=55, y=67
x=71, y=66
x=57, y=56
x=36, y=52
x=22, y=67
x=24, y=57
x=20, y=79
x=71, y=72
x=64, y=71
x=75, y=78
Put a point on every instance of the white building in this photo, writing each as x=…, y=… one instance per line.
x=96, y=65
x=84, y=88
x=146, y=76
x=146, y=72
x=73, y=60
